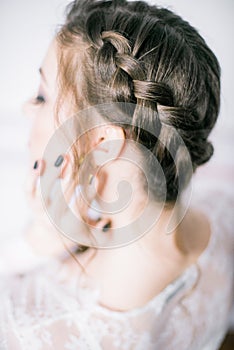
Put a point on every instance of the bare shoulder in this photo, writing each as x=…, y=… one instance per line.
x=195, y=232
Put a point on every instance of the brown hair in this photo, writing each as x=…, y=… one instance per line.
x=120, y=51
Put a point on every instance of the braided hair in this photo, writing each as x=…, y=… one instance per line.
x=151, y=58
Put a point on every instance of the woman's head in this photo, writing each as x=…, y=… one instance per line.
x=160, y=71
x=119, y=51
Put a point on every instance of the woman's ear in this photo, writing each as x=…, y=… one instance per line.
x=108, y=144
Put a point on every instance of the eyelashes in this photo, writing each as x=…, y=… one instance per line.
x=39, y=99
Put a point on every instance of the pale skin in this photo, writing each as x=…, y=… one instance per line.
x=131, y=275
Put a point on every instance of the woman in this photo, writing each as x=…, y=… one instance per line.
x=135, y=91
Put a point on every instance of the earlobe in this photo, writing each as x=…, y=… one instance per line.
x=110, y=144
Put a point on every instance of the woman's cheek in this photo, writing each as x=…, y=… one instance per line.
x=41, y=132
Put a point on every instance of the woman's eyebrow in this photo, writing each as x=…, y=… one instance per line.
x=42, y=74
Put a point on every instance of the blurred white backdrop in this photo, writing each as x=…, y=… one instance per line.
x=27, y=27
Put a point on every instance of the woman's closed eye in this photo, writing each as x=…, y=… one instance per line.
x=39, y=99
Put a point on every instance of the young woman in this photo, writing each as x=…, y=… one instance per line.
x=135, y=91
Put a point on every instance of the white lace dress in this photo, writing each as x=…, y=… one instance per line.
x=42, y=310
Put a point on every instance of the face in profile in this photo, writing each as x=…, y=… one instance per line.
x=41, y=108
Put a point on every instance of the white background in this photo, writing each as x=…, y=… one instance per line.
x=26, y=28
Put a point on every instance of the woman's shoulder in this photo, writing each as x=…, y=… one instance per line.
x=27, y=294
x=40, y=309
x=217, y=204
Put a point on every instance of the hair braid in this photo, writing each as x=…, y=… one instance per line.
x=150, y=57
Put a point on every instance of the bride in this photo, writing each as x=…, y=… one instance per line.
x=128, y=96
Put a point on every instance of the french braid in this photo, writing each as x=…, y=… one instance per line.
x=153, y=59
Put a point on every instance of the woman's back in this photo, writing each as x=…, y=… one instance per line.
x=46, y=309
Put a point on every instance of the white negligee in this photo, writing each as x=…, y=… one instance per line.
x=42, y=310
